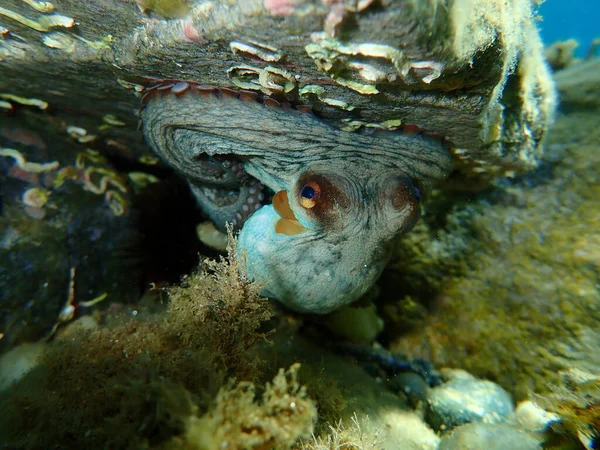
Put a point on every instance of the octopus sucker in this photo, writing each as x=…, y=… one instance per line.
x=339, y=198
x=180, y=87
x=165, y=86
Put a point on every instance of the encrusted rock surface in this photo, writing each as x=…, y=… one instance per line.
x=67, y=232
x=471, y=71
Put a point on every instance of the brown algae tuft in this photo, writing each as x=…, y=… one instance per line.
x=144, y=380
x=283, y=414
x=225, y=305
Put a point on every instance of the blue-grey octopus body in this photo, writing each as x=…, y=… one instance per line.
x=339, y=197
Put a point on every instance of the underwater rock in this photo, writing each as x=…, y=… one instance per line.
x=579, y=86
x=67, y=233
x=465, y=399
x=476, y=436
x=17, y=362
x=509, y=277
x=533, y=418
x=447, y=68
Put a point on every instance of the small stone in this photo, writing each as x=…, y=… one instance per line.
x=357, y=324
x=533, y=418
x=405, y=430
x=18, y=362
x=475, y=436
x=77, y=327
x=464, y=399
x=412, y=385
x=209, y=235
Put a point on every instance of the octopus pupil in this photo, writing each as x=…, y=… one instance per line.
x=417, y=193
x=307, y=192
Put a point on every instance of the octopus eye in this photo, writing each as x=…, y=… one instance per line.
x=406, y=194
x=417, y=194
x=309, y=194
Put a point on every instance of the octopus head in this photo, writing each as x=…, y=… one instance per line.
x=325, y=240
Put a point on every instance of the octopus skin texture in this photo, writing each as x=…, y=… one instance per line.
x=338, y=198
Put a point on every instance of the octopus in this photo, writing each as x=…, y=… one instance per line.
x=316, y=207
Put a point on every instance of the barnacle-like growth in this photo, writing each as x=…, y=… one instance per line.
x=257, y=49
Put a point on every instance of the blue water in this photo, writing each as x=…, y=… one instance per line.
x=565, y=19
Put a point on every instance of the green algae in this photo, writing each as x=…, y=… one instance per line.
x=511, y=282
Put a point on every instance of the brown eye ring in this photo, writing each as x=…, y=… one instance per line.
x=309, y=195
x=406, y=193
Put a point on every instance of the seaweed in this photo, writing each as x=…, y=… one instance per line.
x=240, y=420
x=341, y=437
x=137, y=381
